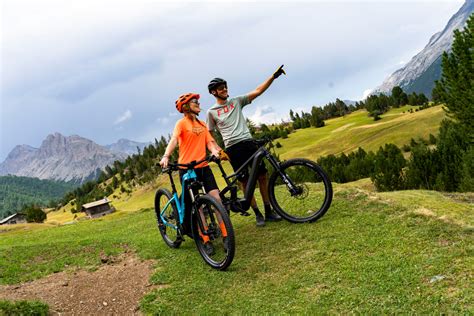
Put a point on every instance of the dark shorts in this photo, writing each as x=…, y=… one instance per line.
x=240, y=153
x=205, y=176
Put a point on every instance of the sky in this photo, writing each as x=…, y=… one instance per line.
x=107, y=70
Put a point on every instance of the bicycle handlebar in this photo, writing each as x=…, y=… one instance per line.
x=263, y=141
x=176, y=166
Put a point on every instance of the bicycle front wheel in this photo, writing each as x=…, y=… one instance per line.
x=213, y=232
x=301, y=192
x=168, y=220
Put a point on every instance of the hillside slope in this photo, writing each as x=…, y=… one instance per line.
x=15, y=192
x=369, y=254
x=346, y=134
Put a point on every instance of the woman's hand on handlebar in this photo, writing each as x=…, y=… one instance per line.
x=215, y=152
x=164, y=161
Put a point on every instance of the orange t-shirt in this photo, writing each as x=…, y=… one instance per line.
x=192, y=137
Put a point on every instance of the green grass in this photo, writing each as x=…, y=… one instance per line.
x=456, y=208
x=368, y=254
x=23, y=308
x=346, y=134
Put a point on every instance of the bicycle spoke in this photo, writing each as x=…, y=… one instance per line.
x=167, y=218
x=308, y=195
x=214, y=237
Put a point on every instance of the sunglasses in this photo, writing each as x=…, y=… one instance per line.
x=194, y=101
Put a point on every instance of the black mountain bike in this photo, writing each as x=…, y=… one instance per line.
x=299, y=189
x=205, y=219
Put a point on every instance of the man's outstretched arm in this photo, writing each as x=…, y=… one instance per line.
x=264, y=86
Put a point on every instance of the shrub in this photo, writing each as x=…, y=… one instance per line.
x=452, y=145
x=467, y=182
x=423, y=168
x=34, y=214
x=387, y=174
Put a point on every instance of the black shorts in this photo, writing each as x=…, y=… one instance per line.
x=240, y=153
x=205, y=176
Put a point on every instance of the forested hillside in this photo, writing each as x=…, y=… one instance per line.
x=15, y=192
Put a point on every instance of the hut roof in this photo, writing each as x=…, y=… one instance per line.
x=3, y=221
x=96, y=203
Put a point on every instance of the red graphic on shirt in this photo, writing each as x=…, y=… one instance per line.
x=225, y=109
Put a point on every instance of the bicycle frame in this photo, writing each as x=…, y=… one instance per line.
x=189, y=176
x=255, y=159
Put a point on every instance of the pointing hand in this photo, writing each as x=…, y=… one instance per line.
x=279, y=71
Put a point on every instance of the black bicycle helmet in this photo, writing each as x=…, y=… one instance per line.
x=215, y=83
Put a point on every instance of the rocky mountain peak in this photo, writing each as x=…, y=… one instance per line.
x=72, y=158
x=424, y=68
x=127, y=146
x=21, y=150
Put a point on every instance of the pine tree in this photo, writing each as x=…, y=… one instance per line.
x=455, y=86
x=387, y=174
x=396, y=93
x=251, y=126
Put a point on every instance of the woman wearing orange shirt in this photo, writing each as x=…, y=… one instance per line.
x=193, y=138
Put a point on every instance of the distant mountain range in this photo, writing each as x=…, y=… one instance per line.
x=424, y=68
x=126, y=146
x=72, y=158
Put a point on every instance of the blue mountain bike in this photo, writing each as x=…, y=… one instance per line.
x=205, y=219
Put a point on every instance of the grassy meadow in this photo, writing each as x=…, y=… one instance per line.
x=346, y=134
x=394, y=252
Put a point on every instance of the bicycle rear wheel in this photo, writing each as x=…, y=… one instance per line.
x=310, y=197
x=171, y=235
x=213, y=232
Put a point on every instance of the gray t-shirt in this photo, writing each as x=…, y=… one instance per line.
x=229, y=120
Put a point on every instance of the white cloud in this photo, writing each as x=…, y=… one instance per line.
x=267, y=115
x=366, y=93
x=124, y=117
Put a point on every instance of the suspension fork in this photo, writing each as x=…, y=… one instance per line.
x=200, y=216
x=202, y=223
x=276, y=165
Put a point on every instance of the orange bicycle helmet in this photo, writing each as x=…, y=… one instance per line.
x=184, y=99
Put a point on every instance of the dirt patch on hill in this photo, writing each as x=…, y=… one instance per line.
x=114, y=289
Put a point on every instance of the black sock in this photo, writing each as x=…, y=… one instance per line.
x=268, y=209
x=256, y=210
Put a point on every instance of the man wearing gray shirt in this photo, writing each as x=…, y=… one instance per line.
x=226, y=116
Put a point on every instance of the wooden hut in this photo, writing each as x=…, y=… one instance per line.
x=17, y=218
x=98, y=208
